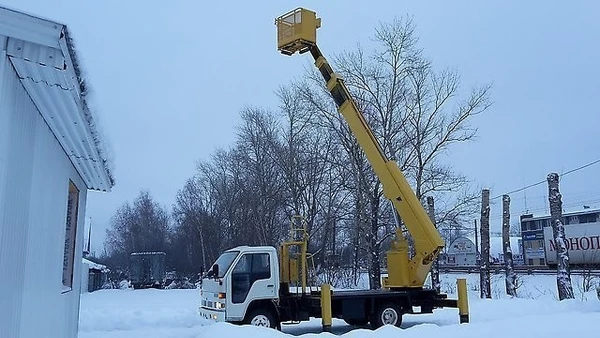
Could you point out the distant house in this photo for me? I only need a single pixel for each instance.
(50, 156)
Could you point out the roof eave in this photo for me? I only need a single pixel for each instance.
(30, 28)
(46, 33)
(70, 55)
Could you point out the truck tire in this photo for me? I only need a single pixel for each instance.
(387, 314)
(261, 317)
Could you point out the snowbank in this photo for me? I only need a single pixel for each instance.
(147, 313)
(151, 313)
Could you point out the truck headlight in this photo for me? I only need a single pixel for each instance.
(219, 305)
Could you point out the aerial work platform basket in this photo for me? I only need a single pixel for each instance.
(297, 31)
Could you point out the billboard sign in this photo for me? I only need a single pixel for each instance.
(582, 242)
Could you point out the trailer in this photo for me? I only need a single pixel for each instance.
(582, 242)
(147, 269)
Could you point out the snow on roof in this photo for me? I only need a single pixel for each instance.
(565, 213)
(148, 253)
(93, 265)
(43, 55)
(252, 248)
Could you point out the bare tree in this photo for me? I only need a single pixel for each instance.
(197, 238)
(307, 159)
(590, 279)
(141, 226)
(563, 275)
(515, 228)
(510, 275)
(263, 189)
(484, 269)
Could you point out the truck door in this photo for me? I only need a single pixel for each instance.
(251, 278)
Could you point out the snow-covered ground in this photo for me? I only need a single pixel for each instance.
(173, 313)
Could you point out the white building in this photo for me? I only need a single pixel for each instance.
(462, 252)
(50, 156)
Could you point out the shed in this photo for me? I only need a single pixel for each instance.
(93, 276)
(50, 156)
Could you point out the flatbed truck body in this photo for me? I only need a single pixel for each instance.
(358, 307)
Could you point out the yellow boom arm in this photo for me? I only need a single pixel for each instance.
(296, 32)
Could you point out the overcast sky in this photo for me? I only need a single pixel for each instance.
(169, 81)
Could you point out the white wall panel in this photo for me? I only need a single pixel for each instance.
(3, 129)
(34, 182)
(15, 189)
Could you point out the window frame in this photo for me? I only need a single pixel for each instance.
(70, 238)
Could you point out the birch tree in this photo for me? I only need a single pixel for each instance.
(484, 268)
(510, 275)
(563, 275)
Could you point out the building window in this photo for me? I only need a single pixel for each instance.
(70, 233)
(588, 218)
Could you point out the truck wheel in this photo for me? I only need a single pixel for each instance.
(387, 314)
(261, 317)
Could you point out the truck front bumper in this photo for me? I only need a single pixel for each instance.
(217, 316)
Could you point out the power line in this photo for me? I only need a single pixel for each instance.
(520, 189)
(544, 181)
(582, 167)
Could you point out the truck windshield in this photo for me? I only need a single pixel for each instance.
(225, 261)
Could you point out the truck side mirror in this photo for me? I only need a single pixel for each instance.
(215, 270)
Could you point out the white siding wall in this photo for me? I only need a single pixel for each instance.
(85, 277)
(3, 134)
(34, 182)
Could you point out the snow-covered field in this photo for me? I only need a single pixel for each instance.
(172, 313)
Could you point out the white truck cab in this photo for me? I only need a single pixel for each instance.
(242, 286)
